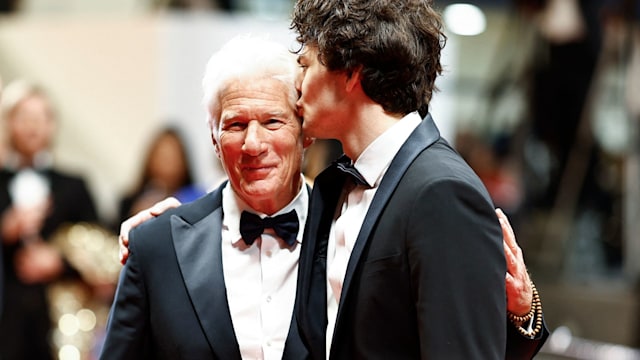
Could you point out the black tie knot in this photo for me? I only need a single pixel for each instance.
(286, 226)
(344, 164)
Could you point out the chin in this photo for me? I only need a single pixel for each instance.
(261, 189)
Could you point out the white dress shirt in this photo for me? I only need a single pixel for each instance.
(372, 164)
(260, 279)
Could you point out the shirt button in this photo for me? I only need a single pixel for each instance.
(269, 298)
(268, 253)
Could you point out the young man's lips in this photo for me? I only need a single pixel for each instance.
(300, 114)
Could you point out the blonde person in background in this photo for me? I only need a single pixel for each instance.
(35, 200)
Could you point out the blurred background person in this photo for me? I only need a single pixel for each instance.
(573, 175)
(166, 172)
(563, 87)
(36, 199)
(555, 171)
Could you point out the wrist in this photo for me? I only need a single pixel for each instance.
(535, 314)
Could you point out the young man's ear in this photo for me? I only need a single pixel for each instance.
(307, 141)
(353, 78)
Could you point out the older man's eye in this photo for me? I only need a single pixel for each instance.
(273, 123)
(234, 126)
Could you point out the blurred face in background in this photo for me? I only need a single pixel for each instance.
(30, 125)
(259, 141)
(167, 163)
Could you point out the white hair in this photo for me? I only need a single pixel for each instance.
(15, 92)
(246, 57)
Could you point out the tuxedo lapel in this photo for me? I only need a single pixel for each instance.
(199, 255)
(311, 300)
(422, 137)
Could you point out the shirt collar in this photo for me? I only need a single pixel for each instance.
(233, 206)
(43, 160)
(376, 158)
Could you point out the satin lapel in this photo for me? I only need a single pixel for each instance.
(200, 258)
(422, 137)
(311, 301)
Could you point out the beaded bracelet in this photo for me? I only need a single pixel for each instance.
(522, 319)
(536, 310)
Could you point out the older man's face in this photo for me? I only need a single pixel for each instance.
(258, 139)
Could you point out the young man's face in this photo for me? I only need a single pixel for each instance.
(322, 103)
(259, 141)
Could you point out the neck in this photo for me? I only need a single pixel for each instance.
(368, 125)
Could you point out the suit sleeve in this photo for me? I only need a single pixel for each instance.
(457, 271)
(520, 347)
(127, 326)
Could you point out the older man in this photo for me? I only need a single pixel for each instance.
(216, 278)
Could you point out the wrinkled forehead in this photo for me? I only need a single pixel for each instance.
(265, 95)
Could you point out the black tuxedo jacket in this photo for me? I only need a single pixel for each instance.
(171, 301)
(426, 276)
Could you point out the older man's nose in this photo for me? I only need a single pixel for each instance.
(254, 139)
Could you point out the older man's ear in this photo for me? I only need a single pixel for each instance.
(216, 146)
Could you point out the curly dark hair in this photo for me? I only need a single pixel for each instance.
(396, 42)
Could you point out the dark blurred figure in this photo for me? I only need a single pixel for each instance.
(8, 6)
(572, 42)
(490, 159)
(568, 174)
(166, 172)
(35, 201)
(552, 173)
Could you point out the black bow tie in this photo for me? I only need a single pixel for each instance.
(344, 164)
(286, 226)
